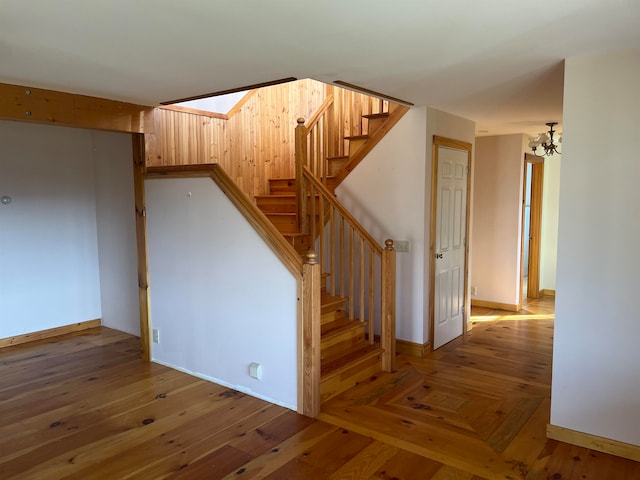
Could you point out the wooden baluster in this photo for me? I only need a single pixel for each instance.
(311, 335)
(320, 221)
(312, 197)
(351, 275)
(316, 146)
(388, 307)
(301, 161)
(310, 159)
(312, 146)
(332, 250)
(327, 141)
(341, 247)
(371, 295)
(361, 283)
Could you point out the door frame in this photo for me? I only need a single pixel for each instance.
(438, 142)
(535, 227)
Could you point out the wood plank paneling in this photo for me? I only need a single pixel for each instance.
(257, 142)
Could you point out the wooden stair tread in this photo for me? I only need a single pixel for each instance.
(276, 195)
(330, 303)
(296, 234)
(284, 195)
(338, 157)
(336, 327)
(356, 137)
(375, 115)
(359, 353)
(292, 180)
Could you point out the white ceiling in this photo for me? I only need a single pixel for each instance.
(498, 62)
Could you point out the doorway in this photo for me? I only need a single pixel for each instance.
(531, 227)
(449, 266)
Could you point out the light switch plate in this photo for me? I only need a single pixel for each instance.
(401, 245)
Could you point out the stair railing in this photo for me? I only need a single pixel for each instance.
(358, 267)
(339, 116)
(311, 152)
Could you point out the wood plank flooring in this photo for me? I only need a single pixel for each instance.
(84, 406)
(479, 405)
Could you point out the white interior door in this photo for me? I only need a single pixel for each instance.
(450, 245)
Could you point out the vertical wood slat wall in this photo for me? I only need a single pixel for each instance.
(258, 141)
(253, 145)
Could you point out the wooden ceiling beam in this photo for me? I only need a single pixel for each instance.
(27, 104)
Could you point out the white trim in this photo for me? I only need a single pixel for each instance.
(222, 383)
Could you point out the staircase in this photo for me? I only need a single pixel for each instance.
(349, 351)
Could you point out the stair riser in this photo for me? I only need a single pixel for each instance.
(338, 306)
(336, 165)
(283, 207)
(279, 186)
(354, 145)
(343, 346)
(331, 316)
(375, 123)
(355, 333)
(277, 206)
(284, 223)
(357, 372)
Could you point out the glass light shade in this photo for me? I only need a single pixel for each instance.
(533, 142)
(544, 137)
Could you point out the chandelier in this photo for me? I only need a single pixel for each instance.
(545, 140)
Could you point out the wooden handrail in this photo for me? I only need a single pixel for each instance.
(324, 192)
(316, 116)
(261, 224)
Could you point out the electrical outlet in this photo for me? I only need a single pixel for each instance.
(156, 335)
(474, 291)
(255, 371)
(401, 245)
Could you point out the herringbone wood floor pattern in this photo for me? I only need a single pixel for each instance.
(84, 406)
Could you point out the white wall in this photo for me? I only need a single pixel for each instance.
(386, 193)
(550, 209)
(69, 187)
(48, 244)
(596, 364)
(497, 213)
(115, 215)
(220, 298)
(390, 194)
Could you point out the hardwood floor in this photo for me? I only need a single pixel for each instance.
(479, 405)
(84, 406)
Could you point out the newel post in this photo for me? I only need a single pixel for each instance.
(311, 335)
(301, 190)
(388, 327)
